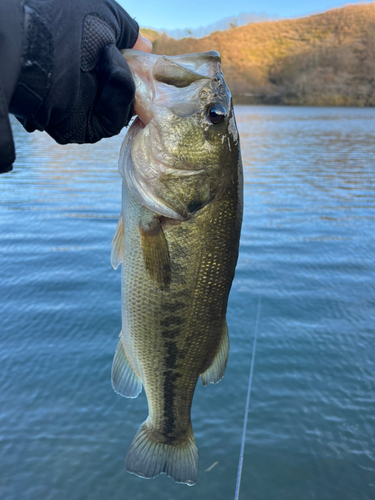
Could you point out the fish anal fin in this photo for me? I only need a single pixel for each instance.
(155, 252)
(125, 380)
(117, 249)
(148, 457)
(216, 370)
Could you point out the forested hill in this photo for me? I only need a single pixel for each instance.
(323, 59)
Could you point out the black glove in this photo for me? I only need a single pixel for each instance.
(74, 82)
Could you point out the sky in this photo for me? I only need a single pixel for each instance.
(171, 14)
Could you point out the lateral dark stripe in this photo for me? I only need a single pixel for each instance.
(169, 395)
(175, 306)
(172, 351)
(171, 334)
(171, 320)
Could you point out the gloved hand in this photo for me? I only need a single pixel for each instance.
(74, 82)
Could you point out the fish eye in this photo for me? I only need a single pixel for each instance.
(215, 113)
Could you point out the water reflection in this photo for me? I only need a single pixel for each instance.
(307, 248)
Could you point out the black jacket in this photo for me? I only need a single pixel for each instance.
(11, 32)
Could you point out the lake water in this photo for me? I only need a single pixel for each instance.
(307, 249)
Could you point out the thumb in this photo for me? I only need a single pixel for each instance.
(143, 44)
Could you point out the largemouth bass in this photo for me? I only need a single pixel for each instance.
(177, 240)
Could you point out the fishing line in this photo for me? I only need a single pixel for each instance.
(240, 463)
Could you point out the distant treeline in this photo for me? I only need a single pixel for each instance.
(221, 25)
(320, 60)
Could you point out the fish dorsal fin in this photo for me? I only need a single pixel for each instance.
(215, 372)
(125, 380)
(155, 249)
(117, 249)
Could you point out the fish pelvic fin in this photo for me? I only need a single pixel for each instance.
(155, 251)
(125, 380)
(215, 372)
(148, 457)
(117, 249)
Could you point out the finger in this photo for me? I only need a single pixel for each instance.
(114, 108)
(143, 44)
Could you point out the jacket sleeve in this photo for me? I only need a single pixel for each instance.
(11, 32)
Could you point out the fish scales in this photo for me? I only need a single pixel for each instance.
(173, 314)
(197, 311)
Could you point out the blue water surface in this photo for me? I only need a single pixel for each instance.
(307, 249)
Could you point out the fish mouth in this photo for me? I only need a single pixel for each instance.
(158, 77)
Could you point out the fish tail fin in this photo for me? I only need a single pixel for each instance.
(148, 457)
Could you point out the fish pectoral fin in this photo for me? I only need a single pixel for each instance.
(155, 251)
(215, 372)
(148, 456)
(117, 249)
(125, 380)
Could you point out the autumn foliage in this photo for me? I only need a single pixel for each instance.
(323, 59)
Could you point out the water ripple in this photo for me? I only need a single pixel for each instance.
(307, 248)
